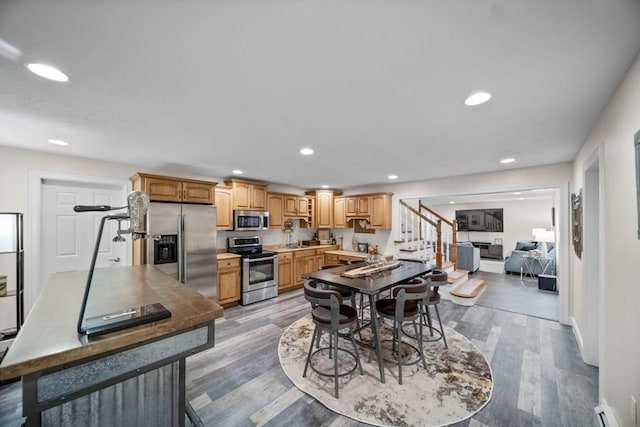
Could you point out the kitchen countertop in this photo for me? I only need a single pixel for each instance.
(302, 248)
(227, 255)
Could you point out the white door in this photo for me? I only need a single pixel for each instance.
(68, 238)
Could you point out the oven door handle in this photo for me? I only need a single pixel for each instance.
(269, 258)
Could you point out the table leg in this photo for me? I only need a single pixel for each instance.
(376, 336)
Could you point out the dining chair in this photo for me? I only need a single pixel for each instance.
(330, 314)
(404, 307)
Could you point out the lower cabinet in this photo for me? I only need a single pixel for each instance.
(303, 263)
(285, 271)
(228, 281)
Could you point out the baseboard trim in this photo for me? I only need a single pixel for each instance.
(576, 333)
(604, 415)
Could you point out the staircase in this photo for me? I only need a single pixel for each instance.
(429, 237)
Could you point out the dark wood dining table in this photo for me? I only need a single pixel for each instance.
(372, 285)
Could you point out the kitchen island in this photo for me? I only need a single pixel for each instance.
(135, 376)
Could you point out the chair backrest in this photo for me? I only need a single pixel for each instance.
(410, 292)
(324, 298)
(320, 297)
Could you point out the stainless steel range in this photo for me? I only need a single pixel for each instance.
(259, 275)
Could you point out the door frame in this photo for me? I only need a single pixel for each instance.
(36, 181)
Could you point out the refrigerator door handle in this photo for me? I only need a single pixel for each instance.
(184, 251)
(180, 249)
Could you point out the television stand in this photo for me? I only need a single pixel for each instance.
(489, 250)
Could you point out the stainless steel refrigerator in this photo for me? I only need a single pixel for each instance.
(186, 248)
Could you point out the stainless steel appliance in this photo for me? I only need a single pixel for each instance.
(186, 248)
(250, 220)
(259, 275)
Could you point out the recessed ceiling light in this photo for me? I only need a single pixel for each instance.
(452, 202)
(58, 142)
(325, 186)
(393, 177)
(306, 151)
(520, 198)
(48, 72)
(508, 160)
(237, 172)
(477, 98)
(517, 193)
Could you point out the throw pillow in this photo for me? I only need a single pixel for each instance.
(525, 245)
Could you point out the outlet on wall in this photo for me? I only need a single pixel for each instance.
(634, 411)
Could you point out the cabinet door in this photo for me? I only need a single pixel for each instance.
(318, 262)
(330, 259)
(364, 205)
(228, 285)
(351, 206)
(290, 205)
(194, 192)
(163, 190)
(302, 206)
(275, 207)
(339, 216)
(241, 195)
(224, 209)
(324, 210)
(259, 197)
(285, 275)
(380, 211)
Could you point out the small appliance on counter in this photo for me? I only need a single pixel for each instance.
(259, 273)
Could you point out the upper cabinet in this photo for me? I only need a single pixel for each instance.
(248, 195)
(375, 208)
(357, 206)
(275, 203)
(169, 189)
(296, 206)
(380, 211)
(339, 213)
(324, 208)
(224, 208)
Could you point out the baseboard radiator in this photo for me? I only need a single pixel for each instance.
(605, 417)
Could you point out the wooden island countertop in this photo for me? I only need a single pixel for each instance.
(48, 337)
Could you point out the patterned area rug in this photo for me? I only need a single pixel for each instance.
(456, 384)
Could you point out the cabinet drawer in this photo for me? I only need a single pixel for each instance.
(305, 253)
(228, 263)
(285, 256)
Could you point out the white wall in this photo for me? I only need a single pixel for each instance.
(520, 216)
(620, 322)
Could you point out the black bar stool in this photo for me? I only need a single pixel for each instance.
(331, 315)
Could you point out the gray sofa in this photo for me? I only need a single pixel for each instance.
(513, 260)
(468, 257)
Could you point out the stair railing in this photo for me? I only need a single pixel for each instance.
(448, 234)
(417, 228)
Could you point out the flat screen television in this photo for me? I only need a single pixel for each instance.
(480, 220)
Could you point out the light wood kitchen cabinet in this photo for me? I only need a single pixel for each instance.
(224, 208)
(296, 206)
(275, 206)
(324, 207)
(248, 195)
(330, 259)
(339, 213)
(303, 263)
(380, 211)
(357, 206)
(285, 271)
(228, 281)
(169, 189)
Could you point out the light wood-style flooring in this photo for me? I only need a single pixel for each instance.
(539, 377)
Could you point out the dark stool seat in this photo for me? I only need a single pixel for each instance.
(434, 279)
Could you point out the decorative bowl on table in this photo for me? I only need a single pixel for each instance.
(375, 260)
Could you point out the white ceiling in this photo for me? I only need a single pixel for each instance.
(374, 87)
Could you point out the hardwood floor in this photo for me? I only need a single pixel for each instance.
(539, 377)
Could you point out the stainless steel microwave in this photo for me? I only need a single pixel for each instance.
(250, 220)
